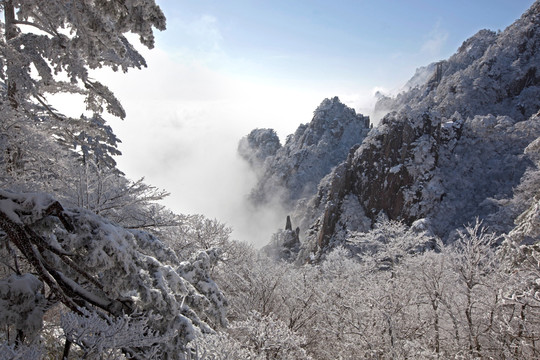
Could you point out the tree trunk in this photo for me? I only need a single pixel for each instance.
(11, 32)
(19, 339)
(435, 306)
(67, 347)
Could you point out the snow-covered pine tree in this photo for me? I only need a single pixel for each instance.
(98, 269)
(49, 47)
(83, 246)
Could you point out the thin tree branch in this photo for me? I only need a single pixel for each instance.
(39, 27)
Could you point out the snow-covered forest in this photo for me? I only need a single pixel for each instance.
(417, 238)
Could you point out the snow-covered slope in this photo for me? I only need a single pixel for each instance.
(451, 150)
(292, 171)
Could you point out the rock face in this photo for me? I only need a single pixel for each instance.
(491, 73)
(450, 150)
(449, 171)
(285, 244)
(259, 145)
(290, 172)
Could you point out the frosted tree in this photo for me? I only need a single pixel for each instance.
(197, 232)
(390, 241)
(257, 284)
(269, 337)
(476, 265)
(221, 346)
(107, 192)
(50, 47)
(97, 269)
(22, 305)
(102, 336)
(433, 287)
(521, 256)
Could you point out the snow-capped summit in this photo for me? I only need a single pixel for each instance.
(258, 145)
(293, 170)
(491, 73)
(450, 151)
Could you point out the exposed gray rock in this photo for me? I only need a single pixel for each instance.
(285, 244)
(260, 144)
(448, 153)
(295, 169)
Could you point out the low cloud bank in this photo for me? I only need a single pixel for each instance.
(182, 130)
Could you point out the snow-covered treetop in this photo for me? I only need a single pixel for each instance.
(49, 47)
(491, 73)
(56, 37)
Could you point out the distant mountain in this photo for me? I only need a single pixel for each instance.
(290, 172)
(450, 150)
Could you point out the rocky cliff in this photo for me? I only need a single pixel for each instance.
(450, 150)
(291, 172)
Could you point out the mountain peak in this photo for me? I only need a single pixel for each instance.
(449, 149)
(309, 154)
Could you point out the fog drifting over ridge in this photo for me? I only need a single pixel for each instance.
(213, 77)
(182, 130)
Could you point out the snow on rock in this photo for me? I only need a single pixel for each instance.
(292, 171)
(451, 149)
(491, 73)
(260, 144)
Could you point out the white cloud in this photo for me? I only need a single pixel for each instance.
(435, 42)
(184, 121)
(185, 116)
(197, 40)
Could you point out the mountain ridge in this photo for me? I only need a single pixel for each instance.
(450, 150)
(291, 172)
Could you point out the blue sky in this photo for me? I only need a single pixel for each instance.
(345, 44)
(224, 68)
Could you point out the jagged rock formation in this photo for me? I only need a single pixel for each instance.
(421, 76)
(290, 172)
(259, 145)
(489, 74)
(450, 150)
(285, 244)
(449, 172)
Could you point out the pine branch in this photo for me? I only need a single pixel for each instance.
(70, 293)
(39, 27)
